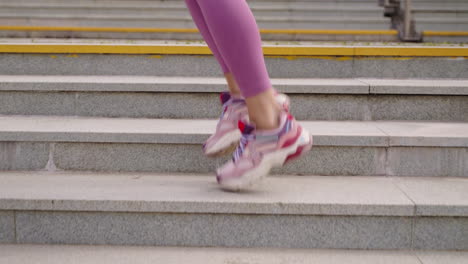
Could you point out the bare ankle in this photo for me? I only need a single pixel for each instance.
(264, 112)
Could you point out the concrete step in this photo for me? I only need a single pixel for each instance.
(15, 31)
(180, 9)
(189, 210)
(161, 145)
(160, 97)
(442, 24)
(151, 3)
(73, 254)
(163, 21)
(283, 59)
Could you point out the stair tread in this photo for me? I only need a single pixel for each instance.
(195, 193)
(210, 84)
(280, 43)
(270, 48)
(195, 131)
(51, 254)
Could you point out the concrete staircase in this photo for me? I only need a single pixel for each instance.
(117, 19)
(174, 14)
(100, 144)
(450, 15)
(361, 20)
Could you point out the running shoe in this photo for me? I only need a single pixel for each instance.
(260, 151)
(227, 135)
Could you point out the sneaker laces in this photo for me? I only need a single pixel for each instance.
(244, 141)
(226, 106)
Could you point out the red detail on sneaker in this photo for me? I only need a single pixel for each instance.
(291, 141)
(241, 126)
(294, 155)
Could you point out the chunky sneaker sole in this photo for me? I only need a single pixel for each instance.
(270, 161)
(225, 145)
(224, 142)
(252, 163)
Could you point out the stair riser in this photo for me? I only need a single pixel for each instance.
(377, 24)
(195, 36)
(181, 2)
(140, 157)
(462, 15)
(182, 12)
(230, 230)
(451, 39)
(206, 105)
(200, 66)
(445, 26)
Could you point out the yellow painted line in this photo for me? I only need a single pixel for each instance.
(446, 33)
(204, 50)
(412, 51)
(99, 29)
(185, 30)
(329, 32)
(311, 51)
(104, 49)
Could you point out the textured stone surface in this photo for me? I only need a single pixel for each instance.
(37, 103)
(189, 158)
(58, 254)
(133, 157)
(197, 36)
(128, 83)
(196, 104)
(418, 107)
(437, 196)
(129, 130)
(330, 107)
(7, 227)
(176, 65)
(214, 230)
(133, 130)
(409, 86)
(176, 9)
(332, 22)
(442, 233)
(149, 105)
(23, 155)
(414, 134)
(410, 67)
(454, 257)
(144, 192)
(418, 161)
(341, 147)
(339, 161)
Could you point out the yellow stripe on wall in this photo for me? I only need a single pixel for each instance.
(185, 30)
(192, 30)
(204, 50)
(446, 33)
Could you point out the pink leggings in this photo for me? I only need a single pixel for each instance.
(230, 30)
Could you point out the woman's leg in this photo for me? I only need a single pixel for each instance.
(199, 21)
(276, 136)
(235, 34)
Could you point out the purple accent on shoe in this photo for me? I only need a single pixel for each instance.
(246, 129)
(224, 97)
(218, 178)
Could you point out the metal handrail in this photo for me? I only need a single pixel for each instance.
(402, 19)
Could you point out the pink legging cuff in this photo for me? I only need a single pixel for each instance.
(230, 30)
